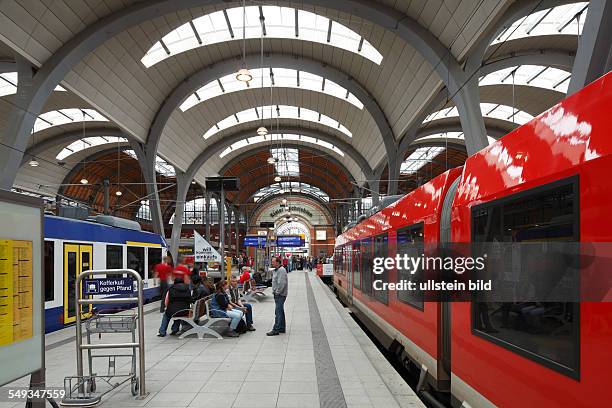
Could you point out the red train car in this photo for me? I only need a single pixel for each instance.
(546, 180)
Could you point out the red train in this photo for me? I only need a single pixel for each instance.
(550, 176)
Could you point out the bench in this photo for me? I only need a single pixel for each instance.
(252, 295)
(200, 320)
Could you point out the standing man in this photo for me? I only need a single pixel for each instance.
(280, 286)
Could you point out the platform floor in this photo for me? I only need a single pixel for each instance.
(324, 360)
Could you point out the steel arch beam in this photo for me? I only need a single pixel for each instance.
(255, 181)
(265, 147)
(261, 203)
(224, 142)
(69, 137)
(226, 67)
(557, 59)
(518, 10)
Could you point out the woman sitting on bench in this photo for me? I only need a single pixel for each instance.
(220, 307)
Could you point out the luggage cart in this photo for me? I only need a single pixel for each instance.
(81, 389)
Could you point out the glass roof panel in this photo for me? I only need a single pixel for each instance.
(274, 137)
(419, 158)
(283, 78)
(86, 143)
(161, 166)
(529, 75)
(286, 187)
(284, 112)
(9, 81)
(449, 135)
(279, 23)
(287, 161)
(63, 116)
(489, 110)
(566, 19)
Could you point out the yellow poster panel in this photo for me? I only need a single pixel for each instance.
(15, 291)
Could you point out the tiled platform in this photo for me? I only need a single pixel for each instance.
(255, 370)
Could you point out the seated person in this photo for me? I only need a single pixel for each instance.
(259, 280)
(200, 290)
(178, 298)
(246, 308)
(220, 306)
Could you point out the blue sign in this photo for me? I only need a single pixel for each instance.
(109, 286)
(254, 241)
(289, 241)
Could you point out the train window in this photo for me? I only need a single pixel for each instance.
(381, 250)
(357, 265)
(49, 271)
(155, 258)
(348, 260)
(366, 265)
(548, 333)
(410, 242)
(114, 259)
(135, 260)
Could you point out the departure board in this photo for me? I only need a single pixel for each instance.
(21, 286)
(15, 290)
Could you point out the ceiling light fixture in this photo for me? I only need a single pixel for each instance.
(262, 131)
(244, 75)
(284, 201)
(118, 193)
(84, 181)
(34, 162)
(277, 179)
(271, 160)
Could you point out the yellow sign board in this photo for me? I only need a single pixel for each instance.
(228, 267)
(15, 291)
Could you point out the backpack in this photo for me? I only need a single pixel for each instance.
(242, 327)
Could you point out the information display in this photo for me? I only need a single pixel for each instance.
(289, 241)
(21, 280)
(15, 290)
(254, 241)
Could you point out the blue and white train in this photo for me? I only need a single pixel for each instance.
(103, 242)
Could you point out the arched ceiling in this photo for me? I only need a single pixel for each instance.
(143, 102)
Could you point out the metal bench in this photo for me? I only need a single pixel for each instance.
(252, 295)
(200, 320)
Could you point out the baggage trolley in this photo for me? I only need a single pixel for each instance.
(81, 389)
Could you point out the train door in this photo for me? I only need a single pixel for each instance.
(349, 270)
(77, 258)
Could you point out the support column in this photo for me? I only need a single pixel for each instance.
(237, 225)
(182, 186)
(147, 166)
(394, 172)
(594, 54)
(222, 225)
(18, 129)
(207, 213)
(374, 186)
(229, 228)
(106, 185)
(467, 101)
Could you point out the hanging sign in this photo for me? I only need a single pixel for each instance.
(204, 252)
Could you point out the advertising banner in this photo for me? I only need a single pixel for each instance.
(204, 252)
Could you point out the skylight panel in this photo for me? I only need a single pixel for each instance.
(283, 78)
(489, 110)
(529, 75)
(86, 143)
(279, 23)
(448, 135)
(161, 166)
(276, 137)
(9, 82)
(286, 112)
(556, 21)
(419, 158)
(63, 116)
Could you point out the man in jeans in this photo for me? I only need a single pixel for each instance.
(280, 285)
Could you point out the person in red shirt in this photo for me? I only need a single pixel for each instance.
(163, 271)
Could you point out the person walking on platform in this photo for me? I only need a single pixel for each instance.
(280, 285)
(163, 271)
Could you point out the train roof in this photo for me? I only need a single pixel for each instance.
(79, 230)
